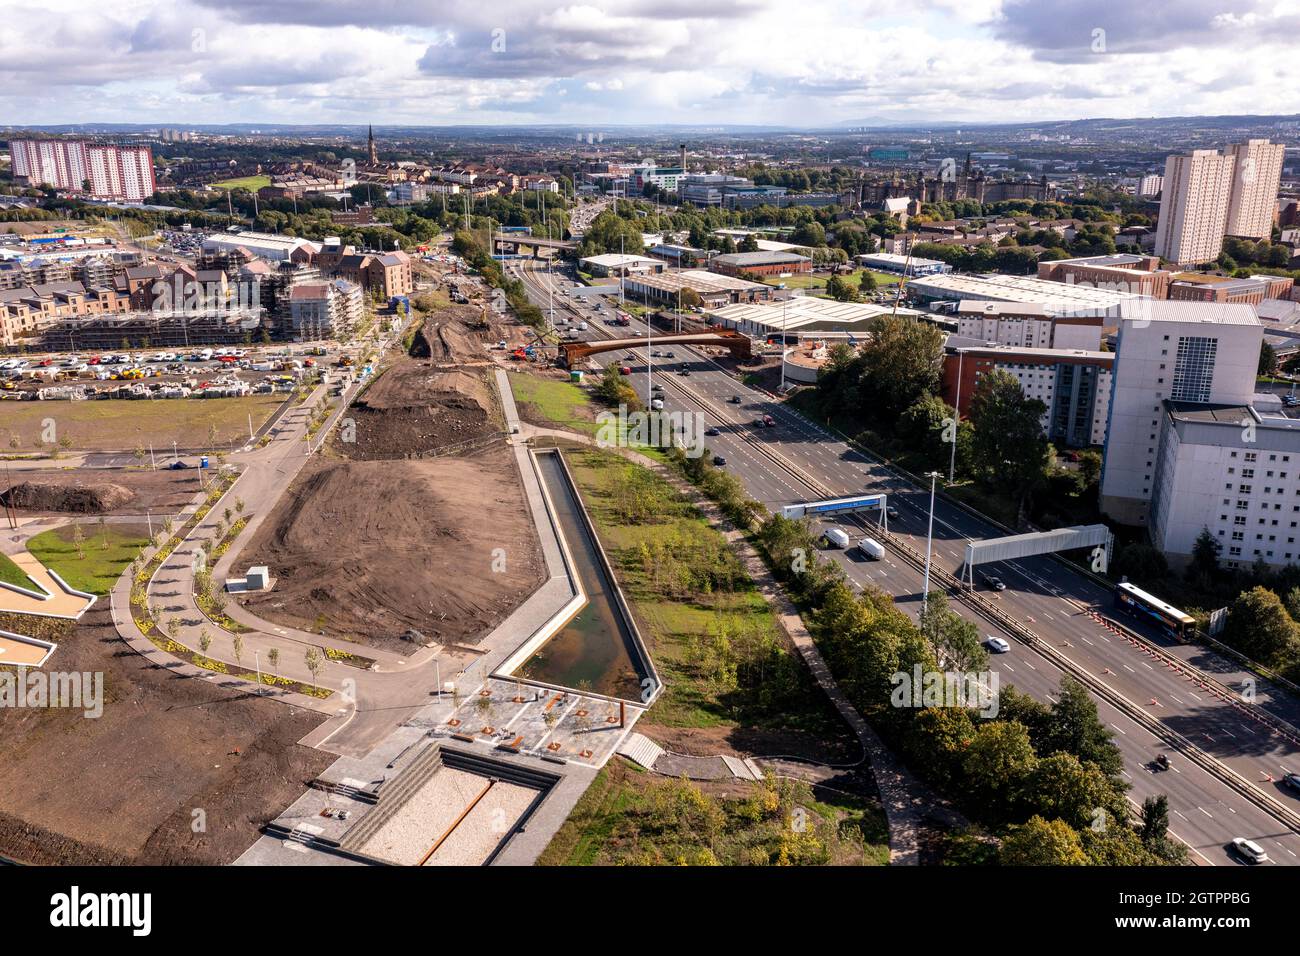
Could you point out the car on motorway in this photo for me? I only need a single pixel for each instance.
(712, 431)
(891, 512)
(993, 582)
(656, 387)
(684, 372)
(657, 404)
(670, 355)
(760, 423)
(1248, 850)
(1292, 780)
(719, 460)
(998, 645)
(734, 400)
(624, 370)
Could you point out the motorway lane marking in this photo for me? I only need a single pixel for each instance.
(1206, 812)
(1127, 668)
(1120, 729)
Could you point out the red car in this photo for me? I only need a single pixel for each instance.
(624, 370)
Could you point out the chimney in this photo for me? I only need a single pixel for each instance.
(681, 149)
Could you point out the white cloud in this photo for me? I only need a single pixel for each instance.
(637, 61)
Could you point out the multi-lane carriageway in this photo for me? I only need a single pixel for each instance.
(1157, 699)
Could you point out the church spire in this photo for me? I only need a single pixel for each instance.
(371, 149)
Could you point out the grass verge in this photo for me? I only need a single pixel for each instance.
(96, 562)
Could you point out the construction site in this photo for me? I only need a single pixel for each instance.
(407, 528)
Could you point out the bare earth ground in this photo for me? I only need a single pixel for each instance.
(123, 788)
(161, 492)
(380, 547)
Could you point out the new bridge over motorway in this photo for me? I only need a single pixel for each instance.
(739, 345)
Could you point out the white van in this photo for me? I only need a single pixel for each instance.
(837, 538)
(871, 549)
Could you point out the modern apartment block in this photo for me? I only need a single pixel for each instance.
(1025, 325)
(1233, 470)
(1192, 352)
(1194, 206)
(1257, 176)
(1074, 384)
(102, 171)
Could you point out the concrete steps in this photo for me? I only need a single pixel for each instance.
(392, 794)
(641, 749)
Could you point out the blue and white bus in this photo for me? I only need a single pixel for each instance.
(1147, 607)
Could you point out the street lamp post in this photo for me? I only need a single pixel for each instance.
(929, 535)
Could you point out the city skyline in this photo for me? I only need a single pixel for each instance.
(628, 62)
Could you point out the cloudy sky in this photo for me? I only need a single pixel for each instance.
(591, 62)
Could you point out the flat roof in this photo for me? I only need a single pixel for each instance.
(895, 259)
(697, 279)
(802, 312)
(986, 307)
(1217, 313)
(1058, 297)
(758, 258)
(618, 259)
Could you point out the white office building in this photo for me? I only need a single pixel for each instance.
(1235, 471)
(1027, 325)
(1194, 352)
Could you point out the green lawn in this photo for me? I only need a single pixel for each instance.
(818, 282)
(627, 817)
(563, 403)
(101, 566)
(251, 183)
(712, 635)
(566, 406)
(10, 573)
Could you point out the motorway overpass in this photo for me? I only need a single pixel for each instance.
(514, 241)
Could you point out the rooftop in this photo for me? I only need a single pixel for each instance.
(1059, 298)
(1217, 313)
(805, 313)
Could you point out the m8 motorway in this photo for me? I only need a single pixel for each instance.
(800, 461)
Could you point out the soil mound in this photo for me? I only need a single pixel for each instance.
(76, 498)
(377, 549)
